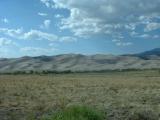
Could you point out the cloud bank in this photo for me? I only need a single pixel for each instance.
(35, 35)
(107, 16)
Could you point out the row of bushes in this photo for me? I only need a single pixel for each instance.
(69, 71)
(36, 72)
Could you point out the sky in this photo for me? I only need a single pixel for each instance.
(51, 27)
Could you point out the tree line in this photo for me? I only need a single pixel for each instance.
(69, 71)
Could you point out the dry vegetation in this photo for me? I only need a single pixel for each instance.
(133, 95)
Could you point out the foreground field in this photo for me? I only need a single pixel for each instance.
(133, 95)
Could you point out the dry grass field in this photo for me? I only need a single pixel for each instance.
(133, 95)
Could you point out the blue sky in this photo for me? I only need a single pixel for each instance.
(51, 27)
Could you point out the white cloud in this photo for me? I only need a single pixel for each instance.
(32, 34)
(36, 34)
(152, 26)
(130, 26)
(48, 3)
(83, 27)
(5, 20)
(33, 49)
(68, 39)
(11, 32)
(115, 40)
(42, 14)
(119, 42)
(134, 34)
(123, 44)
(105, 16)
(5, 41)
(144, 36)
(58, 16)
(46, 24)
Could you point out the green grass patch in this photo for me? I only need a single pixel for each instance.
(77, 113)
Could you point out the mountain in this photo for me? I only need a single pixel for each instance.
(78, 62)
(150, 54)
